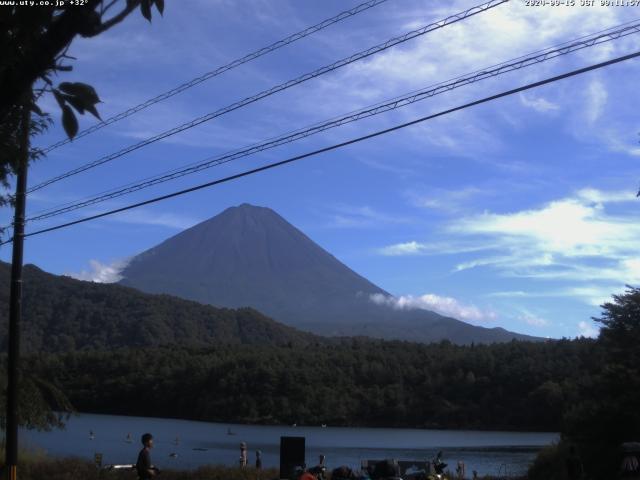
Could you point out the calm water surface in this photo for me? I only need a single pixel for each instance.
(201, 443)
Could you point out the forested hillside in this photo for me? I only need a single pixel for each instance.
(357, 382)
(63, 314)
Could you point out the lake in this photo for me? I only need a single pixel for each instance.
(201, 443)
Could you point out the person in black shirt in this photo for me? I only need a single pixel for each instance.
(575, 470)
(143, 465)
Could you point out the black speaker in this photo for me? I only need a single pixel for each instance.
(291, 455)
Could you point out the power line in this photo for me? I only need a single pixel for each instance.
(338, 145)
(398, 102)
(278, 88)
(220, 70)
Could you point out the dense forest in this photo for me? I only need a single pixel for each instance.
(64, 314)
(516, 385)
(589, 390)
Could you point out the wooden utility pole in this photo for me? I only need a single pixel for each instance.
(15, 299)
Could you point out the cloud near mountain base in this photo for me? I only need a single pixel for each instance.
(447, 306)
(101, 272)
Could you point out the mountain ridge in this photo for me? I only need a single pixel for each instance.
(64, 314)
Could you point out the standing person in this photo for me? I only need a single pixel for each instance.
(243, 455)
(258, 460)
(143, 465)
(438, 464)
(321, 467)
(460, 470)
(574, 465)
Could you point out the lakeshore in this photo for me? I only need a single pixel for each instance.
(188, 445)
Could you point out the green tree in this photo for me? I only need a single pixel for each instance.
(607, 414)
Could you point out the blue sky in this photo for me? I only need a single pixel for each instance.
(519, 213)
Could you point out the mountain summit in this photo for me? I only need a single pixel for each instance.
(250, 256)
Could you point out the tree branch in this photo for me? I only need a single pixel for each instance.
(131, 6)
(106, 8)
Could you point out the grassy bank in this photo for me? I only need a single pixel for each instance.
(36, 466)
(40, 468)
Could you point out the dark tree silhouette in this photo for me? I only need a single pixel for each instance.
(33, 48)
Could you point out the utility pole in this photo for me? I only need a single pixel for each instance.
(15, 299)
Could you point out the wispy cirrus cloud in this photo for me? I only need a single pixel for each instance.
(349, 216)
(595, 295)
(144, 217)
(503, 33)
(539, 104)
(596, 100)
(588, 241)
(447, 201)
(533, 320)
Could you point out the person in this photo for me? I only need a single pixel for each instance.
(573, 464)
(310, 474)
(438, 464)
(258, 460)
(630, 466)
(460, 470)
(243, 455)
(143, 465)
(475, 475)
(321, 467)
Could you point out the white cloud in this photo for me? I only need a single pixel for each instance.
(596, 100)
(601, 197)
(444, 305)
(576, 239)
(588, 329)
(539, 104)
(503, 33)
(533, 320)
(431, 248)
(569, 227)
(545, 259)
(449, 201)
(595, 295)
(346, 216)
(144, 217)
(102, 272)
(406, 248)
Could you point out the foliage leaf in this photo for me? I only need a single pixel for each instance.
(78, 89)
(160, 6)
(36, 109)
(93, 111)
(69, 121)
(145, 8)
(76, 103)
